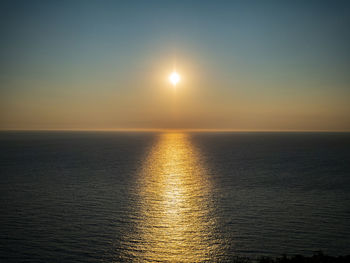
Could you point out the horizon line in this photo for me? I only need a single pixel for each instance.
(169, 130)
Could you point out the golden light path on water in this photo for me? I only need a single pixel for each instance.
(176, 220)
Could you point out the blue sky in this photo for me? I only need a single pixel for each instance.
(252, 64)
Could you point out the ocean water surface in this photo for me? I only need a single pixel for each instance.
(172, 197)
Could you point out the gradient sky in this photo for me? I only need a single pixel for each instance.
(245, 65)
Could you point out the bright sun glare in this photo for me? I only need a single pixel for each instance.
(174, 78)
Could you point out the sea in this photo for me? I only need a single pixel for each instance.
(172, 196)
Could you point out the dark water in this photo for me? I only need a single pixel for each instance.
(145, 197)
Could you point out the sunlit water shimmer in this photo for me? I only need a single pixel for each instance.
(172, 197)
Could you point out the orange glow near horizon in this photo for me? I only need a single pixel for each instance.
(175, 195)
(150, 101)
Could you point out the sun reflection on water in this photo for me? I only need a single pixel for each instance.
(175, 218)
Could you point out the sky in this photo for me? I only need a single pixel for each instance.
(244, 65)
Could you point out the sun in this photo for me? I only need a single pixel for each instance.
(174, 78)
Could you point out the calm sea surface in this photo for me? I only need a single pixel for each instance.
(174, 197)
